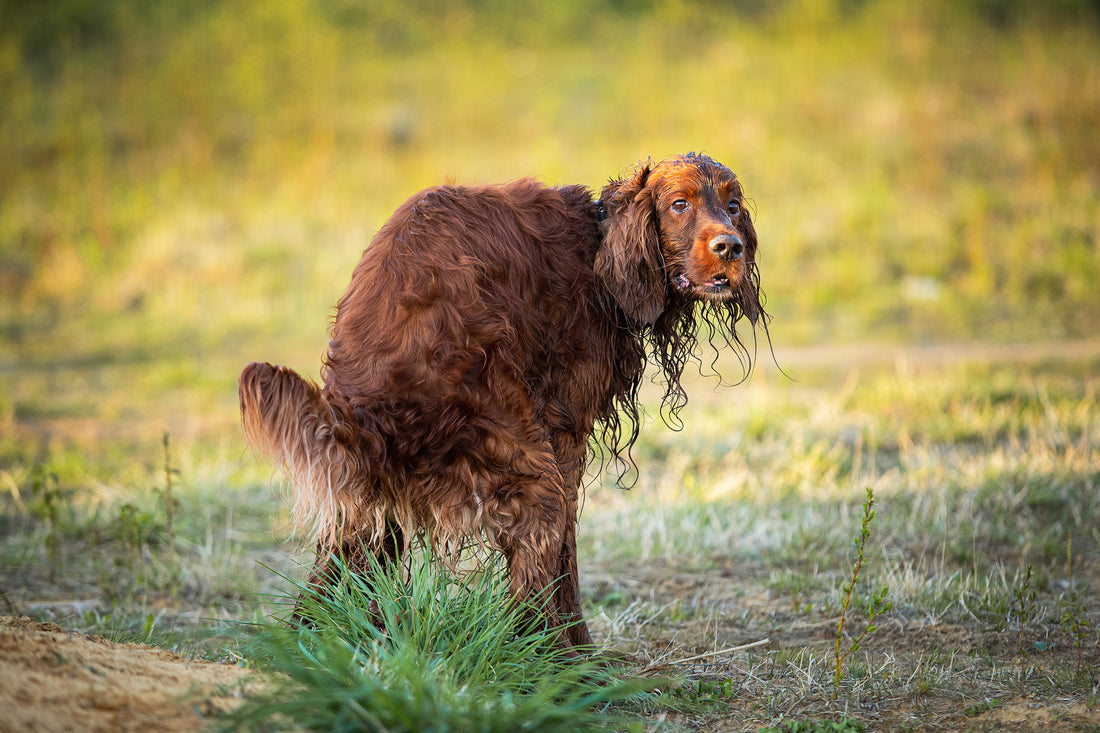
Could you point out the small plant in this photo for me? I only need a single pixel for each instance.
(169, 502)
(707, 691)
(796, 586)
(1074, 619)
(46, 491)
(1075, 624)
(1025, 610)
(879, 603)
(982, 707)
(135, 528)
(385, 653)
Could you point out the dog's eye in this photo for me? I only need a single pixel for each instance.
(735, 209)
(679, 205)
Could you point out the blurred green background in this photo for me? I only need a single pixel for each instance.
(185, 186)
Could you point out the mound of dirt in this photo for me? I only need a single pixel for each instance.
(54, 680)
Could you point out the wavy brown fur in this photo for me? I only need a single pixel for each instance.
(487, 332)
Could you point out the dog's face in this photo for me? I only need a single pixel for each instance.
(678, 228)
(705, 233)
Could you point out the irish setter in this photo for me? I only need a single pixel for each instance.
(487, 332)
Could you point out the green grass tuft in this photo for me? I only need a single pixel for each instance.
(453, 656)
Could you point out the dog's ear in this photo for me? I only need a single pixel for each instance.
(748, 294)
(629, 259)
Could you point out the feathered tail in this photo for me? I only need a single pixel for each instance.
(287, 419)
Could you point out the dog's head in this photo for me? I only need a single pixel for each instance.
(678, 230)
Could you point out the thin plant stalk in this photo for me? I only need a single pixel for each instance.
(878, 606)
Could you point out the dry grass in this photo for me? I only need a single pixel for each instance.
(751, 539)
(740, 530)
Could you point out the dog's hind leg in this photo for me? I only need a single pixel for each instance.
(531, 553)
(359, 553)
(532, 513)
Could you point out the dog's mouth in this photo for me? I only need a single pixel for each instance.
(718, 282)
(715, 287)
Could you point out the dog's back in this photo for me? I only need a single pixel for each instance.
(456, 348)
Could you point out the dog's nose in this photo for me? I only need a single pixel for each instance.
(727, 246)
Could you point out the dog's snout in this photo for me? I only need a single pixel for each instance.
(727, 246)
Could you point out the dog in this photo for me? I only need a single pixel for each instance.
(487, 334)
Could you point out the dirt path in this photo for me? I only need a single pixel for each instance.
(54, 680)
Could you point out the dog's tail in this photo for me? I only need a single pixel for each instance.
(288, 420)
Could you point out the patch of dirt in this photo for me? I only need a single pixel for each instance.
(54, 680)
(1037, 716)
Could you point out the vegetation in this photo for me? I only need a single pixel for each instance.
(185, 187)
(978, 472)
(427, 652)
(169, 168)
(878, 606)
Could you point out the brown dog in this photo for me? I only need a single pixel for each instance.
(486, 333)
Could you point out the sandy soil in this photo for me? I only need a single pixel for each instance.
(54, 680)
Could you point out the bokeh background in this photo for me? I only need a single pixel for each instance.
(186, 186)
(200, 177)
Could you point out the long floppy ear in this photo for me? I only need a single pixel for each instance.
(748, 294)
(629, 259)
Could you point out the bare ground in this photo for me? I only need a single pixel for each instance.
(55, 680)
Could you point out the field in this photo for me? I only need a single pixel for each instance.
(185, 188)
